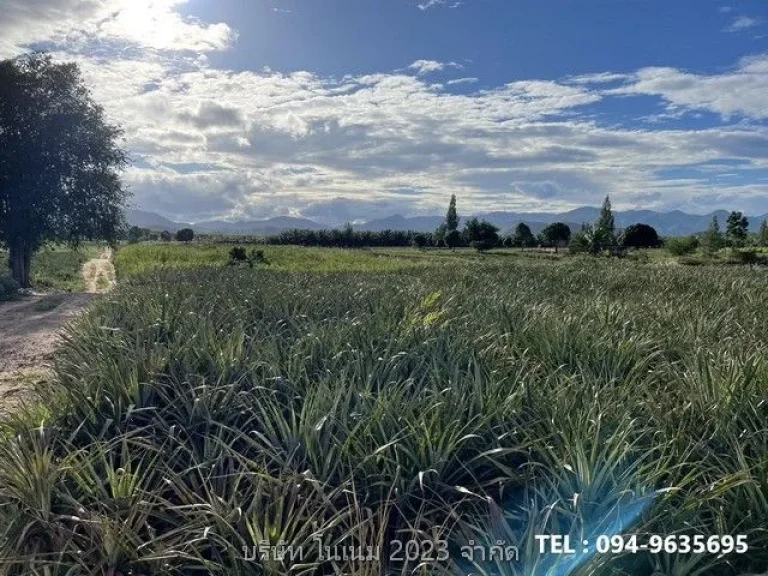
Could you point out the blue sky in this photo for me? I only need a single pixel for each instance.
(353, 109)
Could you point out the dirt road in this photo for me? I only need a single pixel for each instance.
(30, 329)
(99, 274)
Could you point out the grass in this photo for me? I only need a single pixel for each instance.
(137, 259)
(195, 414)
(56, 267)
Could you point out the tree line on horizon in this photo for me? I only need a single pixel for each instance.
(593, 238)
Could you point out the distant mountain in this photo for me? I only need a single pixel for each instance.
(151, 220)
(398, 222)
(674, 223)
(257, 227)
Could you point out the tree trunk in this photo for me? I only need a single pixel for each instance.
(20, 258)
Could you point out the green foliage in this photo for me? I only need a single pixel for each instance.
(166, 236)
(185, 235)
(138, 259)
(606, 221)
(419, 241)
(736, 229)
(640, 236)
(712, 240)
(557, 234)
(452, 239)
(523, 237)
(238, 254)
(9, 288)
(60, 174)
(56, 267)
(762, 238)
(194, 413)
(681, 246)
(481, 234)
(452, 217)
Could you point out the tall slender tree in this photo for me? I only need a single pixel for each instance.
(60, 161)
(606, 221)
(452, 218)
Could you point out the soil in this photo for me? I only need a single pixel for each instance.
(30, 331)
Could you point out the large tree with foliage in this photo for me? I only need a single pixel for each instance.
(481, 234)
(60, 161)
(640, 236)
(557, 234)
(523, 237)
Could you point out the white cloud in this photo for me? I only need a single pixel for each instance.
(154, 24)
(737, 92)
(427, 4)
(462, 81)
(429, 66)
(214, 142)
(742, 23)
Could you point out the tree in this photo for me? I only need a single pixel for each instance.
(419, 241)
(640, 236)
(452, 218)
(134, 235)
(762, 238)
(481, 234)
(166, 236)
(607, 222)
(712, 240)
(736, 228)
(185, 235)
(557, 234)
(60, 162)
(452, 239)
(523, 236)
(439, 235)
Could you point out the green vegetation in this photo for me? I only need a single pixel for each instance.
(54, 267)
(194, 414)
(138, 259)
(61, 162)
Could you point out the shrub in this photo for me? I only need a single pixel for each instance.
(185, 235)
(682, 246)
(9, 288)
(238, 254)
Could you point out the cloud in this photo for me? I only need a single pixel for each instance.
(213, 142)
(740, 92)
(742, 23)
(427, 4)
(429, 66)
(154, 24)
(462, 81)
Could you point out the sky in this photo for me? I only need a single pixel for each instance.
(350, 110)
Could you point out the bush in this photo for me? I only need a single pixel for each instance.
(9, 288)
(185, 235)
(682, 246)
(238, 254)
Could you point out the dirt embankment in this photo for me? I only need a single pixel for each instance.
(30, 330)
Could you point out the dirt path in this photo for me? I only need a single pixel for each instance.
(99, 274)
(30, 330)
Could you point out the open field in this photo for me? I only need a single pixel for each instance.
(197, 412)
(137, 259)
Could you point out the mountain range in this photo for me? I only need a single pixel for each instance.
(674, 223)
